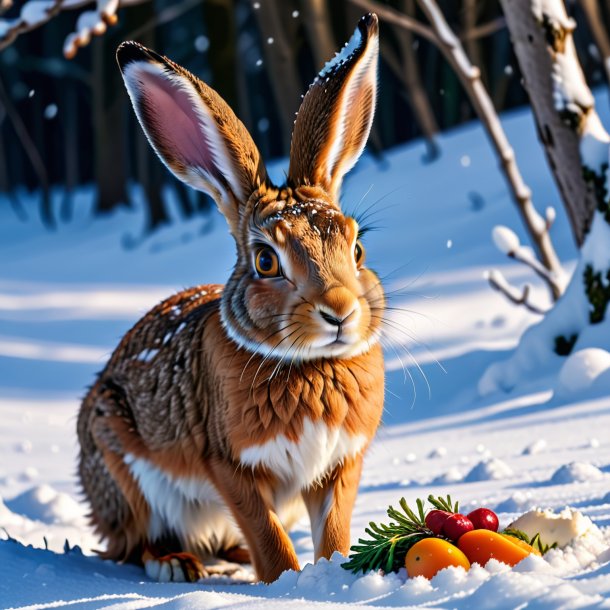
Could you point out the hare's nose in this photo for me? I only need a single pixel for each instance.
(333, 320)
(339, 307)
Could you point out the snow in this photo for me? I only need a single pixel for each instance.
(490, 469)
(66, 298)
(569, 317)
(506, 239)
(576, 472)
(582, 368)
(35, 11)
(342, 56)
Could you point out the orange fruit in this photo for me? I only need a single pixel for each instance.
(482, 545)
(430, 555)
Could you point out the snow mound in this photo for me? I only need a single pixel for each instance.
(519, 502)
(576, 472)
(491, 469)
(453, 475)
(43, 503)
(581, 369)
(538, 446)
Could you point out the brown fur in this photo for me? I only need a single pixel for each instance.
(214, 372)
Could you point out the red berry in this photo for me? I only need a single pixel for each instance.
(456, 525)
(484, 519)
(435, 520)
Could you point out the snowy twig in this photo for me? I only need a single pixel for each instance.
(508, 243)
(498, 282)
(406, 67)
(35, 13)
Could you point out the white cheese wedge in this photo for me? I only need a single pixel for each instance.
(561, 528)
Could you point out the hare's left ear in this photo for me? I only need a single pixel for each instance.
(192, 129)
(335, 117)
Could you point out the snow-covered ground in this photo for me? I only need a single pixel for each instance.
(67, 296)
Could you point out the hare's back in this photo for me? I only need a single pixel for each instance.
(171, 321)
(153, 367)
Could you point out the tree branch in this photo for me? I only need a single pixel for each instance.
(35, 14)
(441, 35)
(519, 297)
(485, 29)
(392, 16)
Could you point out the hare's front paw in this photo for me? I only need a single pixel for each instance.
(175, 567)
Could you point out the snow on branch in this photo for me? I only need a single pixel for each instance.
(35, 13)
(508, 243)
(519, 297)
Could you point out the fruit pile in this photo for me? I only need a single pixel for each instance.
(428, 541)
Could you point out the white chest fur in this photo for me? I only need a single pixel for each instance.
(302, 463)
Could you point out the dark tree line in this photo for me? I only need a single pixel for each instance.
(67, 122)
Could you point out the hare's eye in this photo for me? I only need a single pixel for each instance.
(359, 253)
(267, 263)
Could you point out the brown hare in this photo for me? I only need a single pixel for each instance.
(228, 410)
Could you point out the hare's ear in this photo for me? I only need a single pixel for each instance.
(192, 129)
(335, 118)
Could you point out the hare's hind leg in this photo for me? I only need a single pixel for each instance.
(119, 512)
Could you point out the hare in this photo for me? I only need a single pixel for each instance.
(227, 411)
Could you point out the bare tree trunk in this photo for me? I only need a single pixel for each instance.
(538, 41)
(415, 89)
(33, 155)
(280, 59)
(221, 33)
(70, 128)
(318, 26)
(600, 35)
(110, 174)
(469, 23)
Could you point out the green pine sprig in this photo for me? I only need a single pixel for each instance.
(444, 504)
(388, 544)
(535, 541)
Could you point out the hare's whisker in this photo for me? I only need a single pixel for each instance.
(268, 356)
(255, 352)
(357, 207)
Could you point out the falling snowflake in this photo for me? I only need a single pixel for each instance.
(202, 43)
(50, 112)
(263, 124)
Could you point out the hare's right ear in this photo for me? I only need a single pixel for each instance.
(192, 129)
(335, 118)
